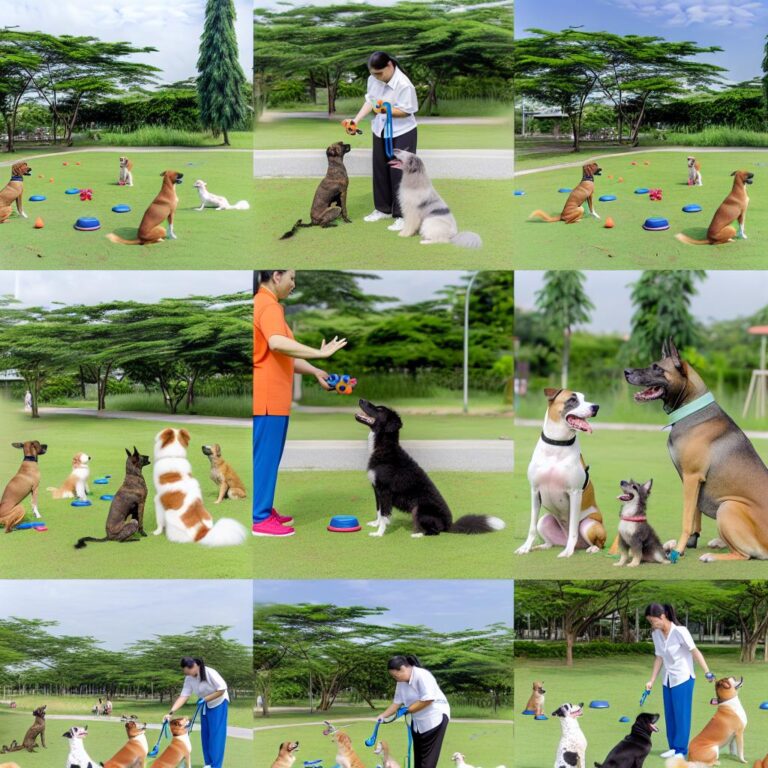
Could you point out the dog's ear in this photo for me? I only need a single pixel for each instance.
(184, 437)
(394, 423)
(127, 453)
(135, 451)
(674, 354)
(551, 393)
(18, 445)
(67, 734)
(647, 487)
(734, 173)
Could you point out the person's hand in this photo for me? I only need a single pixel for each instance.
(649, 685)
(381, 718)
(167, 717)
(331, 347)
(321, 377)
(710, 676)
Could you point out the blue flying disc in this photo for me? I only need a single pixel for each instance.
(87, 224)
(693, 208)
(101, 481)
(599, 704)
(607, 198)
(518, 193)
(623, 719)
(80, 503)
(27, 526)
(107, 497)
(763, 705)
(642, 191)
(564, 189)
(72, 191)
(121, 208)
(36, 198)
(344, 524)
(655, 225)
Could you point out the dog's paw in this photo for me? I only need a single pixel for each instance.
(593, 549)
(618, 565)
(632, 565)
(376, 534)
(24, 216)
(716, 544)
(157, 532)
(373, 523)
(708, 558)
(566, 553)
(524, 550)
(417, 535)
(668, 546)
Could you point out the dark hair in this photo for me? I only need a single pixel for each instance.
(380, 59)
(189, 661)
(264, 276)
(397, 662)
(657, 610)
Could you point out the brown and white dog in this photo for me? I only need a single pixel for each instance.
(180, 749)
(179, 504)
(161, 208)
(125, 179)
(133, 753)
(726, 728)
(285, 755)
(560, 482)
(536, 701)
(230, 485)
(24, 483)
(76, 485)
(694, 172)
(387, 761)
(733, 208)
(13, 191)
(345, 754)
(573, 209)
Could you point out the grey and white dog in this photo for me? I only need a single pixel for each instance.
(424, 211)
(637, 539)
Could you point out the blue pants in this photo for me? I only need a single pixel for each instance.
(213, 734)
(269, 434)
(678, 702)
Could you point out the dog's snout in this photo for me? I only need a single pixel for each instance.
(595, 409)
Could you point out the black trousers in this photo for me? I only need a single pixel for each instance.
(427, 745)
(386, 180)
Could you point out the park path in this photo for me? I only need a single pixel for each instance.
(127, 150)
(371, 720)
(272, 117)
(179, 418)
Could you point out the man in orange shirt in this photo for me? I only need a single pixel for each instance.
(276, 357)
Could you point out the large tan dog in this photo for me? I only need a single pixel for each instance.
(758, 763)
(345, 754)
(285, 755)
(133, 753)
(733, 208)
(76, 484)
(25, 482)
(726, 728)
(16, 765)
(230, 485)
(180, 749)
(14, 191)
(536, 701)
(573, 209)
(161, 208)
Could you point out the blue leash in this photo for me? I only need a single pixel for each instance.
(408, 728)
(389, 146)
(200, 707)
(156, 749)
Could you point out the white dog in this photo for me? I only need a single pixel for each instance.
(78, 757)
(217, 201)
(76, 484)
(694, 172)
(572, 749)
(126, 176)
(179, 504)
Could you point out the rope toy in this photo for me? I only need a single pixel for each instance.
(401, 712)
(384, 107)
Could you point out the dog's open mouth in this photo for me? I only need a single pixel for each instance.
(654, 728)
(395, 164)
(576, 422)
(624, 497)
(652, 393)
(364, 418)
(576, 712)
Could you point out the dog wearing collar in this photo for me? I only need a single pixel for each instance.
(573, 209)
(125, 177)
(723, 476)
(636, 537)
(14, 191)
(572, 749)
(24, 483)
(78, 756)
(694, 172)
(133, 753)
(560, 482)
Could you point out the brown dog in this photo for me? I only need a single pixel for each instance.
(723, 476)
(536, 701)
(285, 757)
(25, 482)
(230, 485)
(573, 209)
(30, 738)
(330, 199)
(14, 190)
(734, 207)
(133, 753)
(345, 755)
(758, 763)
(16, 765)
(126, 172)
(180, 749)
(161, 208)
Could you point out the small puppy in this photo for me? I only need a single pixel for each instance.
(424, 212)
(125, 178)
(536, 701)
(218, 202)
(635, 746)
(230, 485)
(133, 753)
(78, 756)
(572, 749)
(387, 761)
(694, 172)
(180, 749)
(636, 537)
(76, 485)
(285, 757)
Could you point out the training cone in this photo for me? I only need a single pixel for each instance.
(39, 223)
(609, 223)
(50, 181)
(621, 178)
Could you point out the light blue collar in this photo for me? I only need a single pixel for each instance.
(693, 407)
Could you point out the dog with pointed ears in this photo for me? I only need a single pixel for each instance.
(583, 192)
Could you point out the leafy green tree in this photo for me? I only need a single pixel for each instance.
(16, 64)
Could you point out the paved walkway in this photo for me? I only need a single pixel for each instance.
(128, 150)
(271, 117)
(178, 418)
(369, 720)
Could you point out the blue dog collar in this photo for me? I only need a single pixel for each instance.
(17, 178)
(693, 407)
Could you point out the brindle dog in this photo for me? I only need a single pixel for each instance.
(36, 729)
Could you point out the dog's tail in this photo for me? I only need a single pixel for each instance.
(598, 765)
(679, 761)
(240, 205)
(295, 229)
(543, 215)
(477, 524)
(225, 533)
(117, 239)
(467, 240)
(81, 542)
(689, 240)
(56, 492)
(236, 493)
(14, 746)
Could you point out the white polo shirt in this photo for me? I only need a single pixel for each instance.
(675, 653)
(423, 687)
(401, 94)
(215, 682)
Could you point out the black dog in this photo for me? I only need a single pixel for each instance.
(632, 750)
(398, 481)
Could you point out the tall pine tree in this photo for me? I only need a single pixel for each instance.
(221, 84)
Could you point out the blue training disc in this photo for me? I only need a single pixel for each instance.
(107, 497)
(692, 208)
(80, 503)
(87, 224)
(564, 189)
(599, 704)
(642, 191)
(72, 191)
(607, 198)
(518, 193)
(121, 208)
(36, 198)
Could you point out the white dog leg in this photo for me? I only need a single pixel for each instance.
(383, 523)
(535, 508)
(573, 523)
(377, 522)
(171, 235)
(160, 516)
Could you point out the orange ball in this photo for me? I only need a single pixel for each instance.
(65, 163)
(77, 163)
(633, 163)
(621, 178)
(610, 175)
(609, 223)
(39, 223)
(50, 181)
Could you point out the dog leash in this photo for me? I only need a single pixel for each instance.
(389, 145)
(156, 749)
(198, 709)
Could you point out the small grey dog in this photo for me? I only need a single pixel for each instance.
(424, 211)
(636, 537)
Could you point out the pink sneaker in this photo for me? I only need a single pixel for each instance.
(270, 527)
(282, 519)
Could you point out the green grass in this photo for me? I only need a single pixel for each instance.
(311, 133)
(158, 136)
(588, 245)
(235, 406)
(479, 206)
(313, 497)
(717, 136)
(615, 456)
(51, 555)
(621, 681)
(448, 107)
(536, 154)
(487, 744)
(299, 712)
(206, 239)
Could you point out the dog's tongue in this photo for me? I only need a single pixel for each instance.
(576, 423)
(625, 497)
(654, 728)
(652, 393)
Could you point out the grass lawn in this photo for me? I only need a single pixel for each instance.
(311, 133)
(51, 555)
(313, 497)
(589, 245)
(621, 681)
(206, 239)
(479, 206)
(615, 456)
(483, 743)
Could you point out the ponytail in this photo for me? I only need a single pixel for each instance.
(261, 276)
(380, 59)
(657, 610)
(398, 662)
(187, 662)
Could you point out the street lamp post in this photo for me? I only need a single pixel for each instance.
(466, 342)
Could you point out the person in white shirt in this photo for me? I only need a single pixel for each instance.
(388, 83)
(207, 684)
(430, 712)
(675, 653)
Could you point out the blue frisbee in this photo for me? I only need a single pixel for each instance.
(518, 193)
(27, 526)
(541, 717)
(101, 481)
(80, 503)
(121, 208)
(763, 705)
(642, 191)
(107, 497)
(623, 719)
(36, 198)
(607, 198)
(655, 224)
(72, 191)
(344, 524)
(564, 189)
(599, 704)
(693, 208)
(87, 224)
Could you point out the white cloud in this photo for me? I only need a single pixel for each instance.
(682, 13)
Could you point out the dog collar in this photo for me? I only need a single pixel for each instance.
(550, 441)
(30, 458)
(587, 178)
(687, 410)
(635, 519)
(17, 178)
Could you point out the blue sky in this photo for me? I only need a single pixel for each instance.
(737, 26)
(444, 605)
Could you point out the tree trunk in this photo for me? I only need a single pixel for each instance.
(226, 136)
(569, 641)
(566, 357)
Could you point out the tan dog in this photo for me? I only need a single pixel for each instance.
(133, 753)
(758, 763)
(180, 749)
(230, 485)
(387, 761)
(345, 754)
(734, 207)
(161, 208)
(25, 482)
(726, 728)
(285, 755)
(573, 209)
(126, 176)
(694, 172)
(16, 765)
(536, 701)
(76, 485)
(14, 191)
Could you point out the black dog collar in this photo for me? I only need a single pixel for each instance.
(587, 178)
(550, 441)
(30, 458)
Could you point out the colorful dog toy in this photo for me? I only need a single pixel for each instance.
(655, 225)
(344, 524)
(384, 107)
(343, 384)
(86, 194)
(350, 126)
(646, 694)
(39, 224)
(28, 526)
(655, 194)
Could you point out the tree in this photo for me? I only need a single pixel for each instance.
(765, 74)
(15, 78)
(564, 303)
(221, 84)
